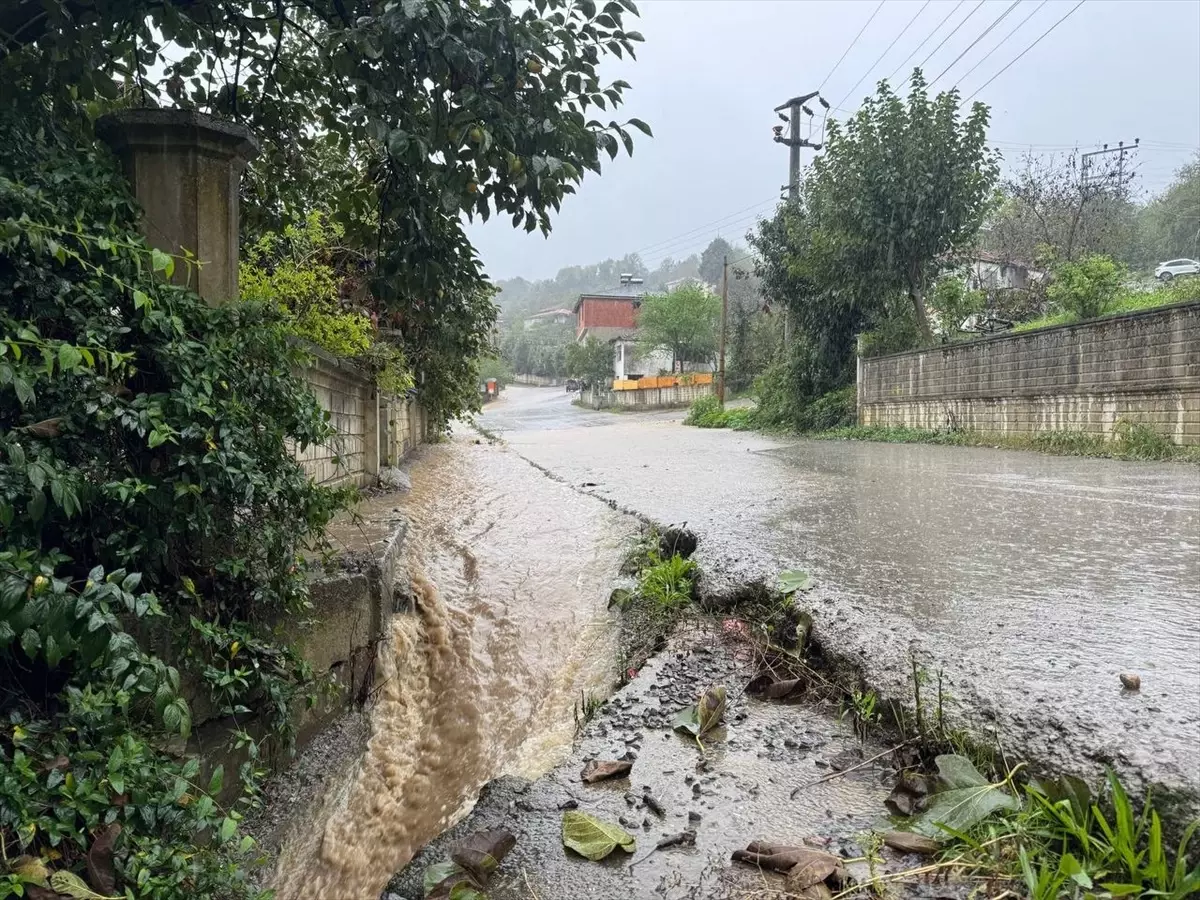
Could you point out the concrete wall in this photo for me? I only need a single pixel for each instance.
(1142, 367)
(539, 380)
(646, 398)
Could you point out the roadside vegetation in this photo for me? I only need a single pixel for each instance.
(1130, 440)
(155, 525)
(980, 822)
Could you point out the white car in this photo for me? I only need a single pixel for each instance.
(1168, 270)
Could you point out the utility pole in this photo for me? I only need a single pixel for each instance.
(794, 142)
(724, 327)
(1088, 161)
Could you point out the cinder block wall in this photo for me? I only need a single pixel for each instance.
(372, 431)
(348, 394)
(1141, 367)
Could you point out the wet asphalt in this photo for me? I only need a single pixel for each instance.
(1030, 582)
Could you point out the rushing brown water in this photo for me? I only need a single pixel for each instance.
(511, 572)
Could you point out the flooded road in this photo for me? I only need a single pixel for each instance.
(1032, 580)
(511, 574)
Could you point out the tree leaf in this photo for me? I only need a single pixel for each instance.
(966, 799)
(592, 838)
(73, 886)
(711, 709)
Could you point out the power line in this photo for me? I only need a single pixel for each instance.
(1003, 41)
(936, 29)
(942, 42)
(884, 53)
(671, 240)
(1026, 50)
(1000, 18)
(852, 43)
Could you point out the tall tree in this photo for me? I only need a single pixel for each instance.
(1052, 210)
(901, 184)
(1169, 225)
(398, 119)
(684, 322)
(713, 258)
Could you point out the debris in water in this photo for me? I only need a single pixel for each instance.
(653, 804)
(964, 799)
(601, 770)
(706, 715)
(471, 864)
(685, 838)
(908, 796)
(807, 870)
(592, 838)
(1131, 681)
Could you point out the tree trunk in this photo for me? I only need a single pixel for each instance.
(918, 301)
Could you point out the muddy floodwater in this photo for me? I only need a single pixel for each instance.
(1031, 580)
(511, 574)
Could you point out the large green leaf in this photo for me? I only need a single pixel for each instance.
(966, 798)
(592, 838)
(794, 580)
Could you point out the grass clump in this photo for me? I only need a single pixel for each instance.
(1062, 842)
(667, 583)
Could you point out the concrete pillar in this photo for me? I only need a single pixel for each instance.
(184, 168)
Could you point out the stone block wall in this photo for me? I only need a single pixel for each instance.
(348, 393)
(1140, 367)
(373, 429)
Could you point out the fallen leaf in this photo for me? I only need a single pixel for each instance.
(592, 838)
(31, 869)
(482, 852)
(793, 580)
(907, 842)
(964, 799)
(600, 770)
(441, 880)
(100, 859)
(687, 720)
(813, 869)
(818, 891)
(711, 709)
(786, 857)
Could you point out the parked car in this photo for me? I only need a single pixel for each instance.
(1168, 270)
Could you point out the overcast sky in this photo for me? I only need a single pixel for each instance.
(711, 72)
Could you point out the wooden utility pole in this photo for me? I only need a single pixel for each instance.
(724, 327)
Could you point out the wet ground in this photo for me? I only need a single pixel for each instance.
(736, 791)
(511, 575)
(1031, 580)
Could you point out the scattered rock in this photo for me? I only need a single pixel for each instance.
(1131, 681)
(569, 804)
(685, 838)
(907, 842)
(653, 804)
(847, 759)
(693, 816)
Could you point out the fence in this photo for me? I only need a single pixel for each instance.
(1139, 367)
(650, 396)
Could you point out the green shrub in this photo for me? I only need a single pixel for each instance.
(149, 501)
(706, 412)
(1086, 288)
(1140, 441)
(305, 272)
(833, 410)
